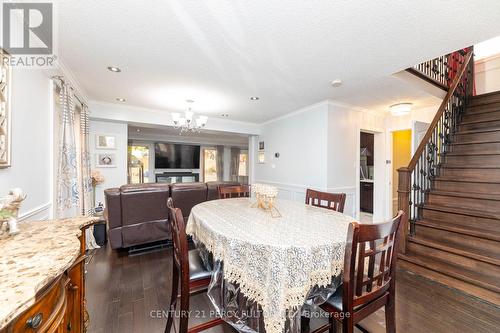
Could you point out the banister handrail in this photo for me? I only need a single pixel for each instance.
(415, 180)
(439, 113)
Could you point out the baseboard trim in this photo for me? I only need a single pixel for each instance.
(37, 213)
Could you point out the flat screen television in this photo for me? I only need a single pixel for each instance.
(176, 156)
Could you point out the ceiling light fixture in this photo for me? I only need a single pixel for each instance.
(336, 83)
(400, 109)
(119, 99)
(188, 123)
(114, 69)
(254, 98)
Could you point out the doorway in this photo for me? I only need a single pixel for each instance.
(366, 176)
(401, 156)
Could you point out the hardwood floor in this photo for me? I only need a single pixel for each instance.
(125, 292)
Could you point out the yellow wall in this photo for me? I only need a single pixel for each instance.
(401, 156)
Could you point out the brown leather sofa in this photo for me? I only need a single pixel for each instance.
(137, 213)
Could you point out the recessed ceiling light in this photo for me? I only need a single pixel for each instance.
(254, 98)
(114, 69)
(138, 130)
(119, 99)
(336, 83)
(225, 115)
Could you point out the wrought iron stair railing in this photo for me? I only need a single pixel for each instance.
(416, 179)
(440, 71)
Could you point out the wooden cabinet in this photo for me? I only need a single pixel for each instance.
(366, 194)
(59, 306)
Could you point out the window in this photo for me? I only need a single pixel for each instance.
(243, 166)
(210, 165)
(138, 164)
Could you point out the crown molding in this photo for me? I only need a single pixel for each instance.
(69, 76)
(294, 113)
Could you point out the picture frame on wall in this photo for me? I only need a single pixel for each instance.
(105, 141)
(5, 112)
(105, 160)
(261, 145)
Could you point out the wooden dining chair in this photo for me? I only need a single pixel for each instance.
(193, 276)
(369, 278)
(333, 201)
(232, 191)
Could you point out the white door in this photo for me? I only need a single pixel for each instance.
(418, 130)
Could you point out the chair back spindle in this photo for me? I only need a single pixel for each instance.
(226, 192)
(333, 201)
(370, 261)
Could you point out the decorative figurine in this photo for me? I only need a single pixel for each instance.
(9, 210)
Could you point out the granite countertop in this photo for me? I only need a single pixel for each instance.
(41, 251)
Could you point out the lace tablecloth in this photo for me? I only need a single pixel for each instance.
(275, 261)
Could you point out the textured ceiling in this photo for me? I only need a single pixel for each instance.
(220, 53)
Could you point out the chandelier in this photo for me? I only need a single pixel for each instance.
(189, 123)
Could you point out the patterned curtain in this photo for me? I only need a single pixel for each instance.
(235, 163)
(67, 201)
(86, 202)
(220, 163)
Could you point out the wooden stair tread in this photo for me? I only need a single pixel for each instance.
(450, 269)
(492, 234)
(478, 121)
(470, 153)
(484, 99)
(461, 166)
(478, 109)
(463, 250)
(464, 180)
(473, 143)
(481, 130)
(463, 211)
(483, 196)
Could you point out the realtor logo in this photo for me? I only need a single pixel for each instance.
(28, 34)
(28, 28)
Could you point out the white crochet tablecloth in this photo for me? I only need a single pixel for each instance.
(276, 261)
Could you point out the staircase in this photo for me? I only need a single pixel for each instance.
(452, 193)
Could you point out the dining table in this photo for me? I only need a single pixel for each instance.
(266, 268)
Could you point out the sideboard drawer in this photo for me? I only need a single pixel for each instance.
(48, 311)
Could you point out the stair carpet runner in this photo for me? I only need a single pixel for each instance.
(457, 239)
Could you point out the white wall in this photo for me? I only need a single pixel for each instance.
(115, 177)
(31, 142)
(319, 148)
(344, 126)
(488, 75)
(300, 139)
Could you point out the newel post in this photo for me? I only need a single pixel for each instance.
(404, 183)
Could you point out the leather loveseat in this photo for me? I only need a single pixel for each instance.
(137, 213)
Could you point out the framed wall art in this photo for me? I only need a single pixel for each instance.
(105, 141)
(105, 160)
(5, 118)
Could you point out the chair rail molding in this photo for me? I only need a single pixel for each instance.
(297, 192)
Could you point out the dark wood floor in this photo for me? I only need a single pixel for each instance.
(125, 292)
